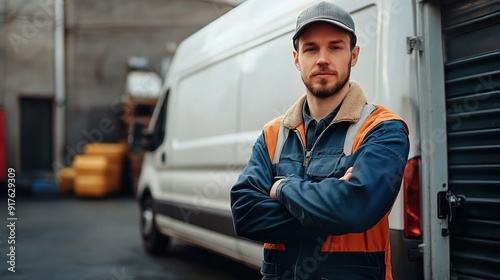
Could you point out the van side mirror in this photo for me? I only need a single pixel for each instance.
(134, 138)
(139, 140)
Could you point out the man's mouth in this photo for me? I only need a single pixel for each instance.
(323, 74)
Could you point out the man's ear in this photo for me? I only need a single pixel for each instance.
(296, 60)
(354, 56)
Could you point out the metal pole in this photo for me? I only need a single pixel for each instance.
(59, 83)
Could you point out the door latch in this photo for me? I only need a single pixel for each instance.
(449, 205)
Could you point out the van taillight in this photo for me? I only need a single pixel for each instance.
(411, 187)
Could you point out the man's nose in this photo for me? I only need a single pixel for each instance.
(322, 57)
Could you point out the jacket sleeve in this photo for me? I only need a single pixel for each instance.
(255, 214)
(335, 207)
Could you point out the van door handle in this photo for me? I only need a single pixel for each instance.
(163, 157)
(449, 205)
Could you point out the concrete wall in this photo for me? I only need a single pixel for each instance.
(99, 38)
(28, 58)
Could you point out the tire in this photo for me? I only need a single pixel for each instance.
(154, 242)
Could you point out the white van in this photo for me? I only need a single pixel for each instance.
(435, 65)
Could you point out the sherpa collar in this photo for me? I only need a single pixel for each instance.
(350, 110)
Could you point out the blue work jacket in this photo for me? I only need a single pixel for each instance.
(320, 227)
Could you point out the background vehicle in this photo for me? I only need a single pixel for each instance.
(434, 64)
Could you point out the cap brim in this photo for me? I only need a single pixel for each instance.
(308, 23)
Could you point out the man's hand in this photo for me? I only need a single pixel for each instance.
(272, 194)
(348, 174)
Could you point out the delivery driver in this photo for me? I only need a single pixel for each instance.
(322, 179)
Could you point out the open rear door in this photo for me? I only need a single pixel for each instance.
(434, 162)
(460, 116)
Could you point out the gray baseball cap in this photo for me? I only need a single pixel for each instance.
(325, 12)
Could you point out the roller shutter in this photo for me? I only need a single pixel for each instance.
(471, 36)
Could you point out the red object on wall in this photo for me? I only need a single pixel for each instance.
(3, 147)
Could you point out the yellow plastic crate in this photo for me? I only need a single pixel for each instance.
(91, 185)
(91, 164)
(94, 176)
(113, 151)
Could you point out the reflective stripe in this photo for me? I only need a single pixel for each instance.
(280, 143)
(353, 129)
(381, 115)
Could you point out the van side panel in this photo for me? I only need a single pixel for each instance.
(205, 114)
(366, 71)
(201, 150)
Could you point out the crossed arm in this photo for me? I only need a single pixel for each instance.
(347, 176)
(293, 207)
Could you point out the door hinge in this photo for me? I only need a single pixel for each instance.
(414, 43)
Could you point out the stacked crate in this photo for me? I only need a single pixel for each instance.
(98, 171)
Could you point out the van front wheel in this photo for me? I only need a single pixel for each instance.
(153, 240)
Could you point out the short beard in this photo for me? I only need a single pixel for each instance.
(324, 93)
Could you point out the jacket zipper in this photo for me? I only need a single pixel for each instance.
(308, 154)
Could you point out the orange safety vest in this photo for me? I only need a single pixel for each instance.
(375, 239)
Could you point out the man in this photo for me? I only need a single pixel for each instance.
(322, 179)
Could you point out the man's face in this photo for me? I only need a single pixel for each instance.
(324, 59)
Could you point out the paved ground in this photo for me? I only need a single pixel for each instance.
(71, 238)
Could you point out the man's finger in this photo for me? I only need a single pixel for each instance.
(348, 174)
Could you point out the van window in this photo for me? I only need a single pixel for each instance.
(159, 128)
